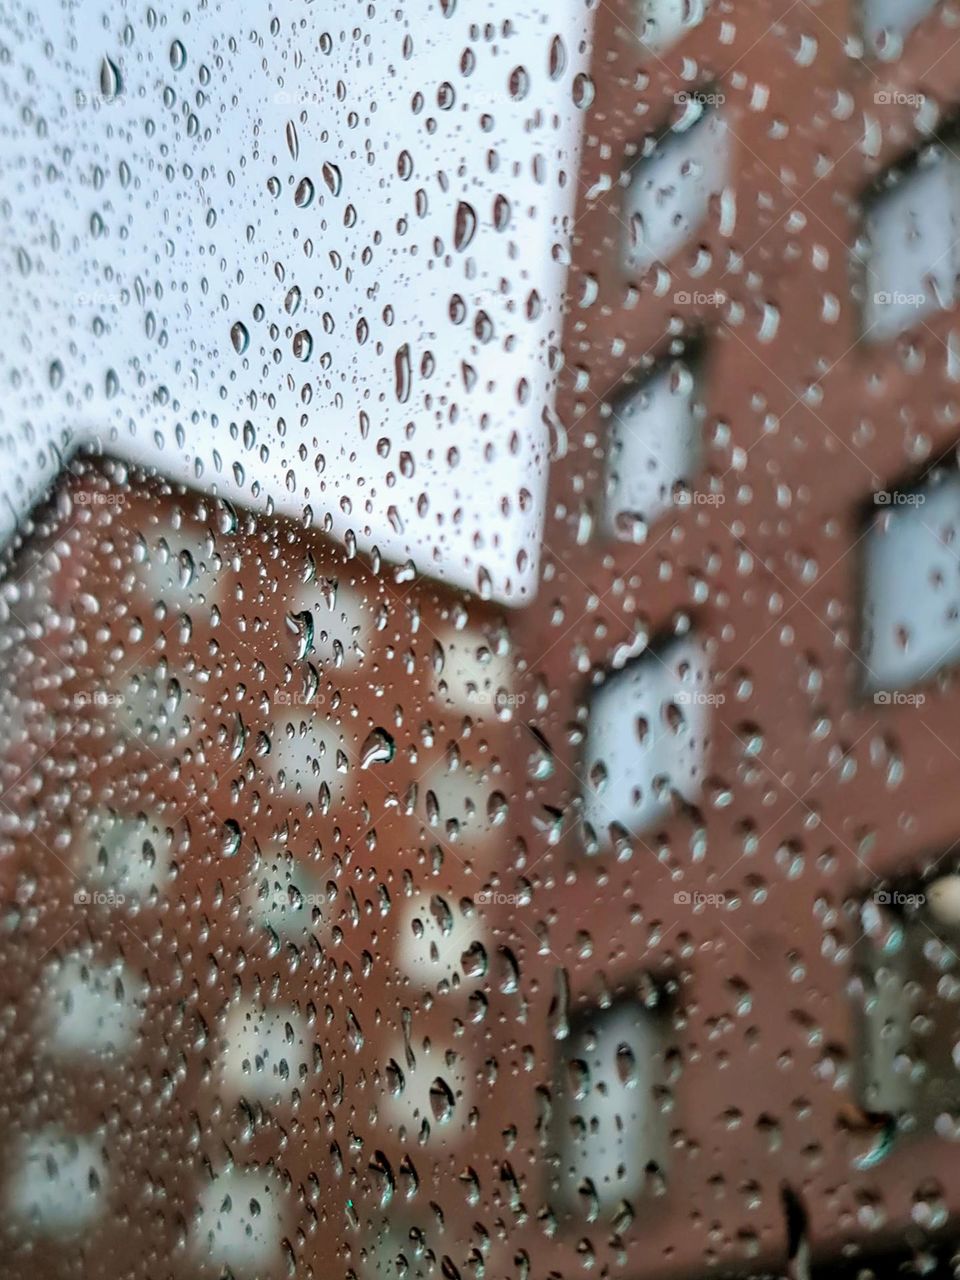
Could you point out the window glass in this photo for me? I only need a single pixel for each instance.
(479, 643)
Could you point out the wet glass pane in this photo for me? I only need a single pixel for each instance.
(479, 642)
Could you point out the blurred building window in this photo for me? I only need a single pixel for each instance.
(911, 606)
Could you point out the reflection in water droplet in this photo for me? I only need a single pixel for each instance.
(378, 748)
(303, 196)
(293, 141)
(402, 374)
(232, 838)
(465, 226)
(110, 79)
(558, 58)
(303, 344)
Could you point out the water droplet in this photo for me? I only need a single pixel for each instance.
(232, 838)
(303, 344)
(402, 374)
(110, 79)
(293, 141)
(303, 196)
(465, 226)
(557, 61)
(378, 748)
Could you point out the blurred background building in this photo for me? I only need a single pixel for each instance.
(479, 630)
